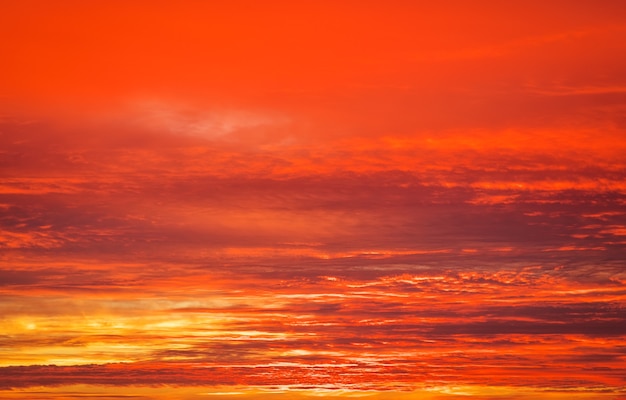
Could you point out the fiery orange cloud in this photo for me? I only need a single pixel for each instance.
(344, 199)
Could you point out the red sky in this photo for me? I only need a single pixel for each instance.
(269, 200)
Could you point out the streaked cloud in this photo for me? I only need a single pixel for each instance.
(328, 200)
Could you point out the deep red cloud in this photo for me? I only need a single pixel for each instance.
(357, 198)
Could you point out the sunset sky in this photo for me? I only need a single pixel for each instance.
(271, 200)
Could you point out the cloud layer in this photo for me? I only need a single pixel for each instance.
(410, 201)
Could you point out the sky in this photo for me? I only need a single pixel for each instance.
(247, 200)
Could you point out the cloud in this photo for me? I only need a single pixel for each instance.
(238, 125)
(252, 202)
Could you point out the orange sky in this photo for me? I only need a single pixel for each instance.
(267, 200)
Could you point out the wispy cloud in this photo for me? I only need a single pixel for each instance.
(292, 201)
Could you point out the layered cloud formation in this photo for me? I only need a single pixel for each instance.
(336, 199)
